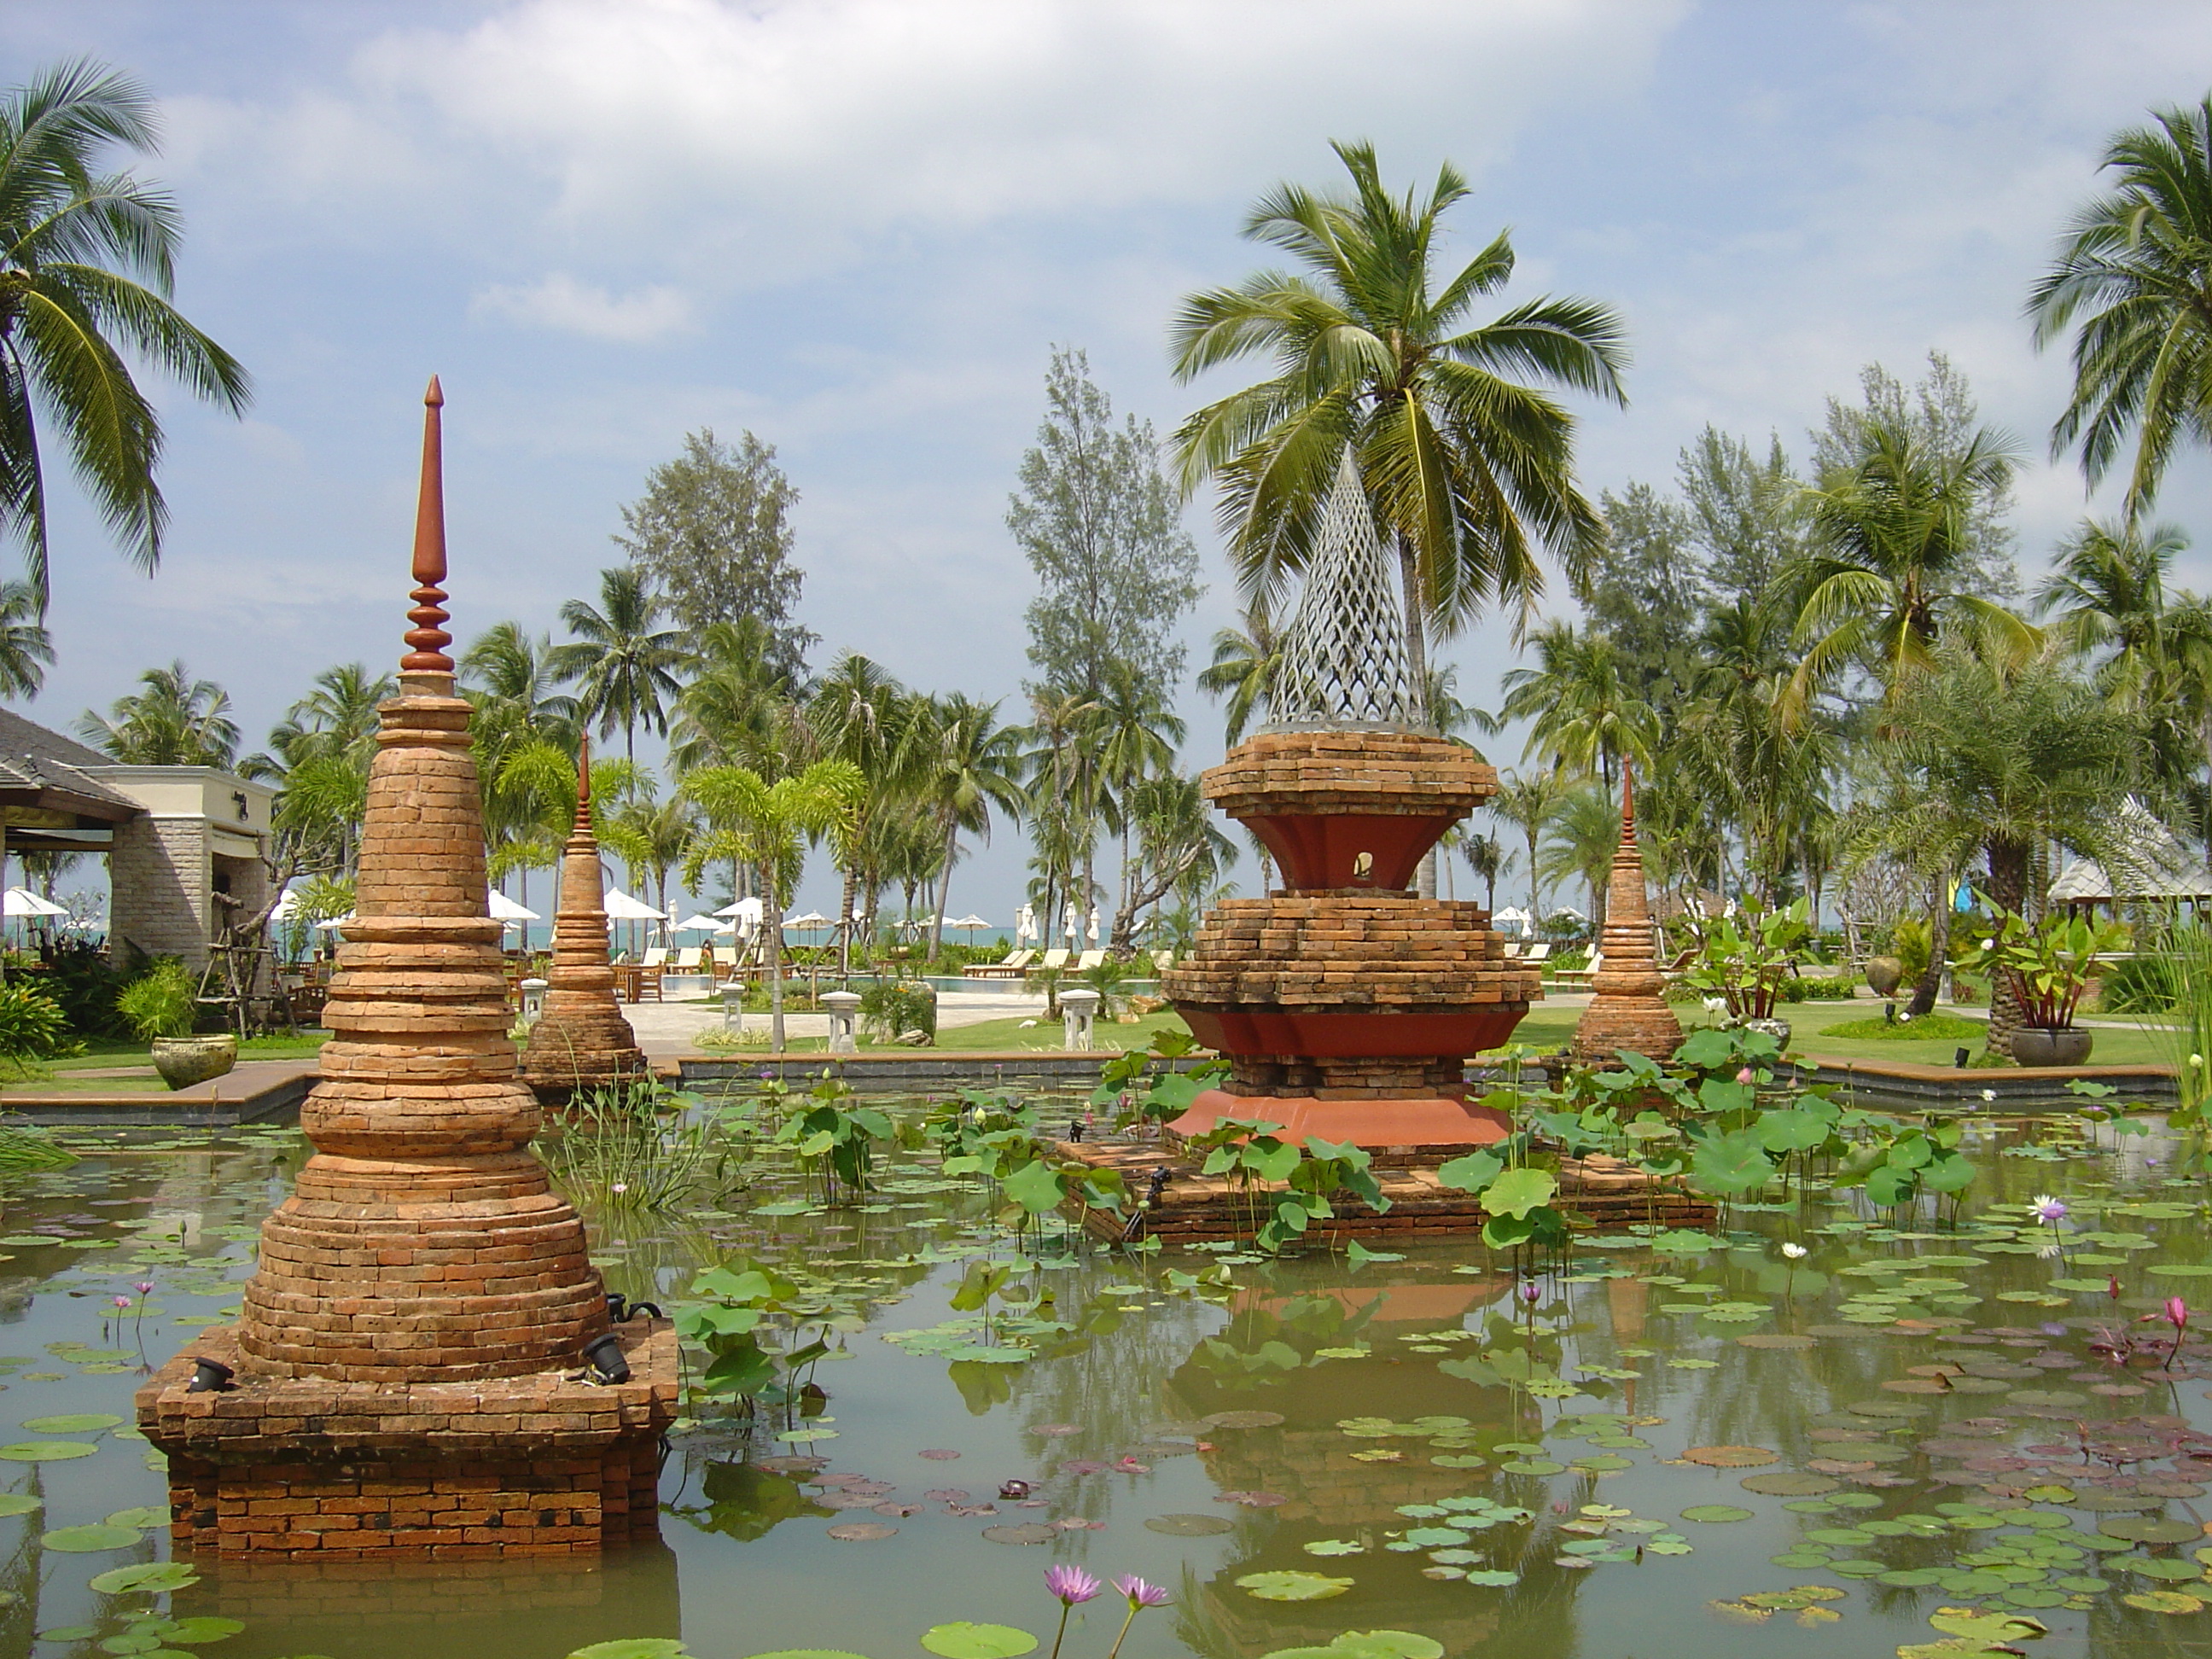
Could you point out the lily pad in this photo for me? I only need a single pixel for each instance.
(2145, 1529)
(1293, 1586)
(154, 1577)
(1335, 1546)
(146, 1515)
(964, 1640)
(1731, 1457)
(1714, 1514)
(19, 1503)
(861, 1532)
(46, 1451)
(1788, 1486)
(87, 1541)
(1241, 1419)
(1493, 1579)
(1188, 1526)
(665, 1647)
(2163, 1602)
(1037, 1532)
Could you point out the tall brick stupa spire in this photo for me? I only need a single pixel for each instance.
(1630, 1010)
(582, 1041)
(423, 1242)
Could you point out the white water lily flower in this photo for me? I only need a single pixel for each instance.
(1989, 1094)
(1795, 1252)
(2197, 1060)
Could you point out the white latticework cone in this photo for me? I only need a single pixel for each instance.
(1344, 656)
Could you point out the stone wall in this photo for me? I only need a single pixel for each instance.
(160, 875)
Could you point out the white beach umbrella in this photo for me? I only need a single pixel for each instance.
(700, 925)
(811, 920)
(1091, 934)
(621, 907)
(971, 922)
(22, 901)
(505, 909)
(334, 923)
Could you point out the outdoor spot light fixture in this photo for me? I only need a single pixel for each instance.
(210, 1377)
(607, 1361)
(621, 1309)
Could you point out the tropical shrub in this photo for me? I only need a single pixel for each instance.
(2137, 985)
(159, 1003)
(81, 978)
(891, 1007)
(1747, 966)
(32, 1026)
(2048, 966)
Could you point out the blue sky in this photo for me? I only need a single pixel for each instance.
(857, 227)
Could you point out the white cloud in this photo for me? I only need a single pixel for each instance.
(558, 302)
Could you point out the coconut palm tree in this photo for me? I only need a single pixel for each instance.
(87, 267)
(2133, 272)
(509, 677)
(1487, 857)
(857, 714)
(1244, 669)
(966, 764)
(1582, 704)
(1584, 833)
(1469, 471)
(1527, 802)
(1134, 733)
(1892, 538)
(26, 650)
(2107, 599)
(176, 720)
(623, 669)
(752, 821)
(652, 837)
(737, 707)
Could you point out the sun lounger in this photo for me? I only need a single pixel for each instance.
(691, 959)
(1053, 960)
(1538, 952)
(1163, 960)
(1584, 976)
(1010, 968)
(1089, 960)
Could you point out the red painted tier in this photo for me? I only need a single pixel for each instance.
(1323, 850)
(1443, 1122)
(1454, 1035)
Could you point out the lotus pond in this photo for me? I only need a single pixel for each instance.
(1814, 1428)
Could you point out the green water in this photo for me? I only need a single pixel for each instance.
(1401, 1423)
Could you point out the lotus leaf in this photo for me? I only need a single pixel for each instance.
(962, 1639)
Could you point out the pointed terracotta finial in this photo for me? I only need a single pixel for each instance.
(1627, 796)
(428, 639)
(584, 778)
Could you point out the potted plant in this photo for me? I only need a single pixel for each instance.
(2048, 968)
(159, 1007)
(1746, 966)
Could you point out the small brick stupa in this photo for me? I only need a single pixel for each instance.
(1630, 1010)
(1346, 1004)
(409, 1379)
(582, 1041)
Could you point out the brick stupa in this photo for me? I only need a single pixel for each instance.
(1630, 1010)
(409, 1373)
(1346, 1004)
(582, 1041)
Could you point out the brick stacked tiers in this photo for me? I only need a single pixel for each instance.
(582, 1041)
(1630, 1010)
(1346, 1005)
(423, 1244)
(330, 1472)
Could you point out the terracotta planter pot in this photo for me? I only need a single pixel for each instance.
(2031, 1045)
(183, 1062)
(1884, 975)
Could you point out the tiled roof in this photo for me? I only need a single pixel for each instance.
(31, 757)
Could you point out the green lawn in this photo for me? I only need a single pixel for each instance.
(101, 1052)
(1015, 1034)
(1550, 1027)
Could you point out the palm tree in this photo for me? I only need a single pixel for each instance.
(752, 821)
(856, 715)
(87, 268)
(1063, 809)
(652, 837)
(2000, 765)
(26, 650)
(176, 720)
(1893, 535)
(1527, 802)
(1467, 469)
(1244, 669)
(508, 676)
(1582, 704)
(1585, 831)
(1487, 857)
(2135, 270)
(2106, 597)
(968, 764)
(737, 709)
(622, 668)
(1135, 734)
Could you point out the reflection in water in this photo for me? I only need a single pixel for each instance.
(1409, 1425)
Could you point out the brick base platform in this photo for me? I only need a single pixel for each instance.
(305, 1469)
(1195, 1209)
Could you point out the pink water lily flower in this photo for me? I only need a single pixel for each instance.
(1071, 1584)
(2176, 1314)
(1140, 1593)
